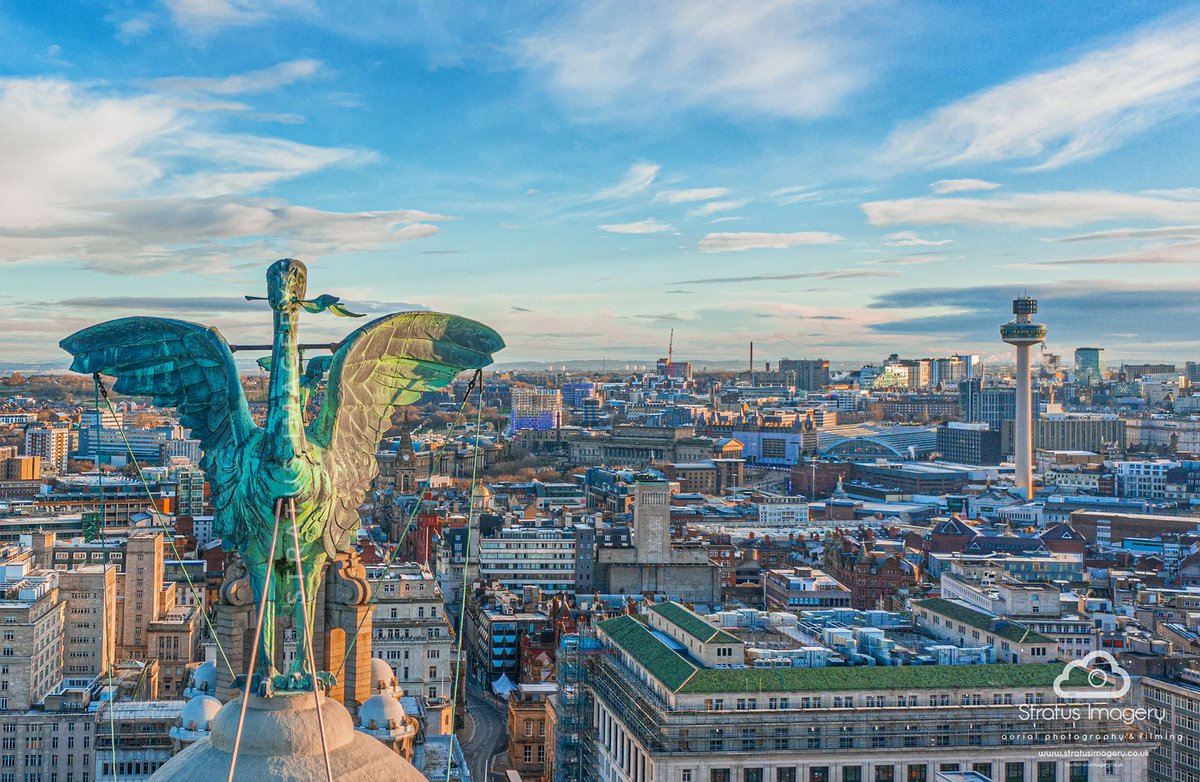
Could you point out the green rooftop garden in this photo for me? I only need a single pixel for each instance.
(904, 677)
(680, 675)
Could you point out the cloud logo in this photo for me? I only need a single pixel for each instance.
(1098, 680)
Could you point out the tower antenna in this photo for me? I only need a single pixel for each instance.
(671, 354)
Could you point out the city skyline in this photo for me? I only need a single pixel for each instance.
(841, 180)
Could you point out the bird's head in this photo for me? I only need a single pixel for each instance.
(287, 282)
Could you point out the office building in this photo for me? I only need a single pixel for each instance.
(410, 629)
(810, 375)
(655, 563)
(1089, 365)
(535, 408)
(519, 557)
(21, 468)
(795, 589)
(968, 443)
(1173, 703)
(674, 700)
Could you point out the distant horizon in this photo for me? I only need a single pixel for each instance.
(616, 365)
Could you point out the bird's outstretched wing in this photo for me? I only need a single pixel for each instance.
(388, 362)
(182, 365)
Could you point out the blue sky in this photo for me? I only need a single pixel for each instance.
(843, 179)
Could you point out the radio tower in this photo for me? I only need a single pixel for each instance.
(1023, 333)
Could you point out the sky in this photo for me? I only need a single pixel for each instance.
(826, 178)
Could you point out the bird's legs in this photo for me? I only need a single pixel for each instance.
(307, 580)
(264, 593)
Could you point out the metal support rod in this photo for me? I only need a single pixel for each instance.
(262, 607)
(330, 346)
(312, 658)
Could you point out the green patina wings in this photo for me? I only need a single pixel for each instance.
(388, 362)
(179, 364)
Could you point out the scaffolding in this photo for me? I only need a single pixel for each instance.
(574, 747)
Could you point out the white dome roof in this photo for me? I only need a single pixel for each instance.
(382, 710)
(198, 712)
(204, 678)
(380, 672)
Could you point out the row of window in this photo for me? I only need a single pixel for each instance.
(871, 701)
(1043, 771)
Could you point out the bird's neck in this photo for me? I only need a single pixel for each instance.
(285, 439)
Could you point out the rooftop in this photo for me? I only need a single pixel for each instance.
(692, 623)
(1011, 631)
(680, 675)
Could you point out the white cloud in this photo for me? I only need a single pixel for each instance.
(157, 235)
(1066, 114)
(136, 27)
(263, 80)
(647, 226)
(1180, 252)
(639, 177)
(1060, 209)
(774, 58)
(206, 16)
(910, 239)
(690, 196)
(138, 184)
(1121, 234)
(53, 57)
(713, 207)
(735, 242)
(64, 147)
(961, 185)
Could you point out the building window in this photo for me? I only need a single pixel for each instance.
(528, 753)
(885, 774)
(1014, 772)
(786, 774)
(852, 774)
(1079, 771)
(752, 775)
(718, 775)
(917, 772)
(1047, 771)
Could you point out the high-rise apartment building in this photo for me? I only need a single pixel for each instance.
(52, 444)
(189, 488)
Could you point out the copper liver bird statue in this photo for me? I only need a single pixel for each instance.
(324, 468)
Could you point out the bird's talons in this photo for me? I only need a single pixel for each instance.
(262, 686)
(301, 681)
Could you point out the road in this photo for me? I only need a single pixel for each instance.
(491, 734)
